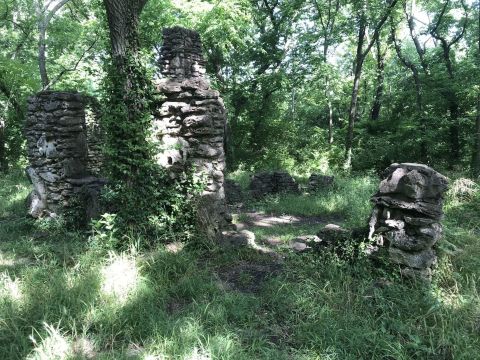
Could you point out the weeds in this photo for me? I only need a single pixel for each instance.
(64, 297)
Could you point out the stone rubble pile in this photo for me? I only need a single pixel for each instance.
(189, 123)
(275, 182)
(57, 151)
(406, 217)
(318, 182)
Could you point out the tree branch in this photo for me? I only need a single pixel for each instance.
(74, 68)
(376, 31)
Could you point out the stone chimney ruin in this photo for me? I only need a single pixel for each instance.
(189, 124)
(406, 218)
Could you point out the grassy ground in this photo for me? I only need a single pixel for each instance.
(63, 296)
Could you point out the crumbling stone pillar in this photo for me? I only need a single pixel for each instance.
(57, 151)
(407, 214)
(189, 125)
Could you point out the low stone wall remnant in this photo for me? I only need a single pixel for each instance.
(275, 182)
(406, 217)
(318, 182)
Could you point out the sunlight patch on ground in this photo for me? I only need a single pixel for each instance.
(120, 276)
(10, 288)
(54, 346)
(198, 354)
(450, 299)
(57, 346)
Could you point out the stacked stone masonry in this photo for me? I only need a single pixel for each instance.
(95, 140)
(56, 136)
(318, 182)
(275, 182)
(189, 124)
(406, 217)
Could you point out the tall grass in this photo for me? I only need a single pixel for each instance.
(63, 298)
(348, 201)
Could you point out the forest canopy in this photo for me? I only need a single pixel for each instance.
(316, 85)
(239, 179)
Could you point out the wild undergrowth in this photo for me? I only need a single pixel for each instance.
(348, 200)
(64, 295)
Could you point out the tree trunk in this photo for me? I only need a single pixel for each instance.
(357, 69)
(352, 115)
(330, 122)
(327, 93)
(377, 102)
(44, 16)
(418, 90)
(453, 107)
(3, 155)
(129, 150)
(476, 150)
(123, 17)
(42, 58)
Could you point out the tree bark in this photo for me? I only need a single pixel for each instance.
(44, 16)
(123, 17)
(128, 132)
(327, 22)
(352, 115)
(418, 87)
(476, 150)
(377, 101)
(3, 155)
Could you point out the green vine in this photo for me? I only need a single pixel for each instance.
(140, 193)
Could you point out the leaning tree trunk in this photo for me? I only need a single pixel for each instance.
(44, 16)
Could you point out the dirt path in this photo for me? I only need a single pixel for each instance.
(253, 219)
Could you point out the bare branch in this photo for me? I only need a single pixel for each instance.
(74, 68)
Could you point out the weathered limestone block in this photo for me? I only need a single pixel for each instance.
(57, 150)
(407, 214)
(189, 123)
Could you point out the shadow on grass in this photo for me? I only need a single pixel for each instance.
(173, 305)
(316, 307)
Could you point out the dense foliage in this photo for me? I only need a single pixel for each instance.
(310, 85)
(286, 70)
